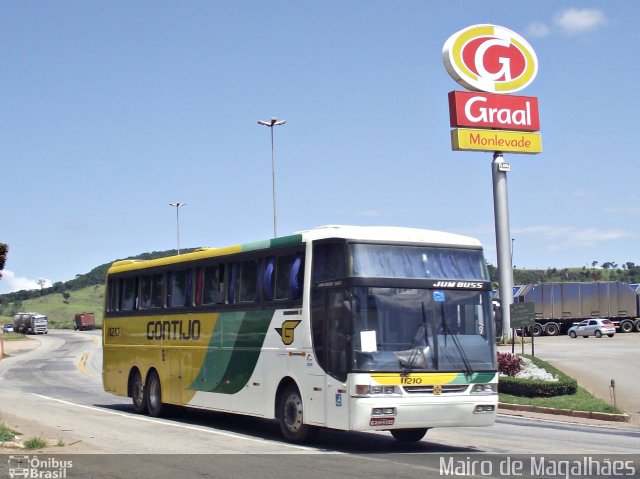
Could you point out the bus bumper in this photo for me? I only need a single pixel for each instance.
(371, 414)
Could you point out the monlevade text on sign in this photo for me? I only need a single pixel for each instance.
(495, 140)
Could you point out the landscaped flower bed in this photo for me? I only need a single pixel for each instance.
(533, 378)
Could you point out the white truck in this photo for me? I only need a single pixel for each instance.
(30, 323)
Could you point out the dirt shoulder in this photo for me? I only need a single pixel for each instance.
(59, 440)
(12, 348)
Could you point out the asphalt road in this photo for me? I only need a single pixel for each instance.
(55, 390)
(594, 362)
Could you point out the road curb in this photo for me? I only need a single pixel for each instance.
(602, 416)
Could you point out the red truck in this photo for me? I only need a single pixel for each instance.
(84, 321)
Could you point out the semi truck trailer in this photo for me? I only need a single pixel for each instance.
(557, 306)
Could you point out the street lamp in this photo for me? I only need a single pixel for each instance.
(271, 123)
(178, 204)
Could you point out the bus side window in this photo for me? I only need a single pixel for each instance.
(112, 295)
(157, 290)
(212, 284)
(329, 261)
(243, 284)
(248, 281)
(269, 278)
(145, 291)
(179, 288)
(129, 293)
(296, 277)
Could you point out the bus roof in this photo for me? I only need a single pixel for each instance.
(387, 234)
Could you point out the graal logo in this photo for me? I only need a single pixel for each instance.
(27, 466)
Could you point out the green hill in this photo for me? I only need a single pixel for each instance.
(61, 310)
(61, 301)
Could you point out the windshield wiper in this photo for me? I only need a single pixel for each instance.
(417, 353)
(456, 341)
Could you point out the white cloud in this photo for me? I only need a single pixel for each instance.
(579, 20)
(538, 30)
(17, 283)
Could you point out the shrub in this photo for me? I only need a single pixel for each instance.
(536, 388)
(509, 364)
(35, 443)
(6, 434)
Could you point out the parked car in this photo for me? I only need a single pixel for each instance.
(7, 328)
(593, 327)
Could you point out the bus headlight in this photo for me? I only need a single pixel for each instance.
(489, 388)
(383, 411)
(367, 390)
(483, 408)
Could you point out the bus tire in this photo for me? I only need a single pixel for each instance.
(638, 326)
(138, 392)
(408, 435)
(291, 416)
(153, 389)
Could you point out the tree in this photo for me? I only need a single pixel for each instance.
(594, 264)
(4, 249)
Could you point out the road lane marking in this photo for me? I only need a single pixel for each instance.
(82, 366)
(182, 426)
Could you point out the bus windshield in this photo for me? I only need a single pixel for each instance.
(386, 261)
(403, 329)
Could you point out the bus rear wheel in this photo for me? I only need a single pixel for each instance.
(154, 395)
(291, 417)
(408, 435)
(138, 395)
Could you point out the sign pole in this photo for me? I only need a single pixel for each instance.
(503, 239)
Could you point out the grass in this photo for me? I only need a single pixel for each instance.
(60, 311)
(13, 337)
(582, 400)
(35, 443)
(6, 434)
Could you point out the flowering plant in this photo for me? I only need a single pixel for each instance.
(509, 364)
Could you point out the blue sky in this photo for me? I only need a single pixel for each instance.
(111, 110)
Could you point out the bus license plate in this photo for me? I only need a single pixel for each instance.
(381, 421)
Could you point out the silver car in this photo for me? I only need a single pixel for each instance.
(593, 327)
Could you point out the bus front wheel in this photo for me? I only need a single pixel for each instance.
(154, 395)
(408, 435)
(291, 417)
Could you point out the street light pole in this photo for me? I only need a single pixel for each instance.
(271, 123)
(178, 204)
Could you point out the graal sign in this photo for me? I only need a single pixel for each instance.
(490, 58)
(486, 110)
(492, 62)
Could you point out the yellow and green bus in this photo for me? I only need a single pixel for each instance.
(343, 327)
